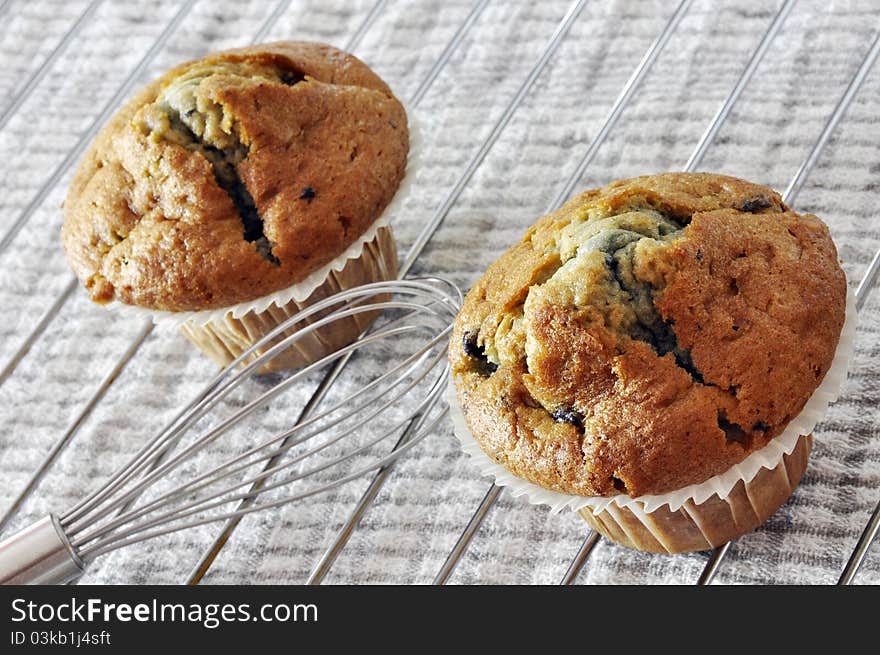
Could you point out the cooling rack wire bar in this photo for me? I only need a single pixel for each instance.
(38, 75)
(439, 215)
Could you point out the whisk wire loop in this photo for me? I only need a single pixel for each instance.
(439, 299)
(165, 487)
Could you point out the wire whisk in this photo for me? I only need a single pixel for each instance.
(166, 486)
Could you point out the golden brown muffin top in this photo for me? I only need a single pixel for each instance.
(648, 335)
(234, 176)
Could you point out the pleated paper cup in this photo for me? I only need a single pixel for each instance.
(699, 516)
(228, 334)
(225, 333)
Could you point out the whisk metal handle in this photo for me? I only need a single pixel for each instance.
(39, 554)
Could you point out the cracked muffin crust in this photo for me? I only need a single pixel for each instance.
(233, 177)
(648, 335)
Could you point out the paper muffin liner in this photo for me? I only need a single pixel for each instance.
(715, 521)
(226, 332)
(779, 457)
(227, 337)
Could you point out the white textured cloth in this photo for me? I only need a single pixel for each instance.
(429, 498)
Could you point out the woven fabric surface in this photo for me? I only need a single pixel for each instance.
(431, 494)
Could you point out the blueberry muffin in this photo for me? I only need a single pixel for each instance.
(648, 336)
(233, 178)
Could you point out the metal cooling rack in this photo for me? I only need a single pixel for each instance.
(580, 559)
